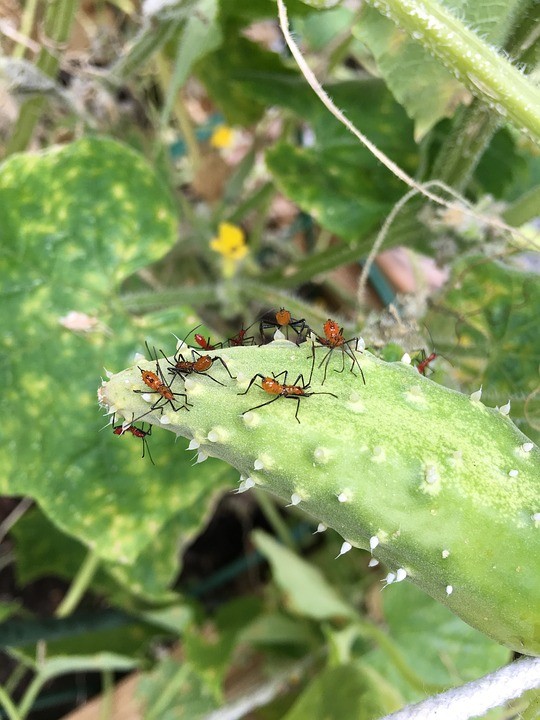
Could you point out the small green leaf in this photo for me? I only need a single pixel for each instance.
(99, 662)
(524, 209)
(223, 72)
(321, 4)
(306, 591)
(7, 609)
(200, 34)
(344, 692)
(411, 72)
(209, 653)
(175, 690)
(492, 309)
(276, 629)
(174, 619)
(349, 192)
(441, 648)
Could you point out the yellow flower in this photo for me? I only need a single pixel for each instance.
(231, 244)
(222, 137)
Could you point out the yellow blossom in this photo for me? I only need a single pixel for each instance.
(222, 137)
(231, 244)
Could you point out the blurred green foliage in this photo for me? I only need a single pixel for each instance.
(104, 244)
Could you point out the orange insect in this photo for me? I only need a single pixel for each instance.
(283, 319)
(199, 366)
(333, 338)
(295, 391)
(136, 432)
(159, 386)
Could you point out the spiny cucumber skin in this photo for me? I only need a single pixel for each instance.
(427, 471)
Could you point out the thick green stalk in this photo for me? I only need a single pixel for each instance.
(474, 126)
(7, 704)
(487, 74)
(443, 490)
(463, 147)
(140, 302)
(27, 23)
(404, 231)
(56, 29)
(80, 585)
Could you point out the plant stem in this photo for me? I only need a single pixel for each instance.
(32, 691)
(275, 520)
(524, 208)
(79, 585)
(144, 301)
(9, 708)
(464, 145)
(58, 21)
(15, 678)
(404, 230)
(474, 126)
(182, 118)
(167, 694)
(394, 653)
(148, 41)
(105, 710)
(487, 74)
(27, 22)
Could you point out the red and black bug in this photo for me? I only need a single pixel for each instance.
(159, 386)
(205, 344)
(424, 365)
(199, 365)
(283, 320)
(240, 338)
(333, 339)
(294, 391)
(136, 432)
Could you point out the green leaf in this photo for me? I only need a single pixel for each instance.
(276, 629)
(209, 653)
(7, 609)
(411, 72)
(440, 647)
(492, 309)
(174, 619)
(72, 228)
(200, 34)
(41, 549)
(132, 640)
(248, 10)
(319, 29)
(99, 662)
(305, 589)
(344, 692)
(223, 73)
(321, 4)
(500, 164)
(524, 209)
(349, 191)
(175, 690)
